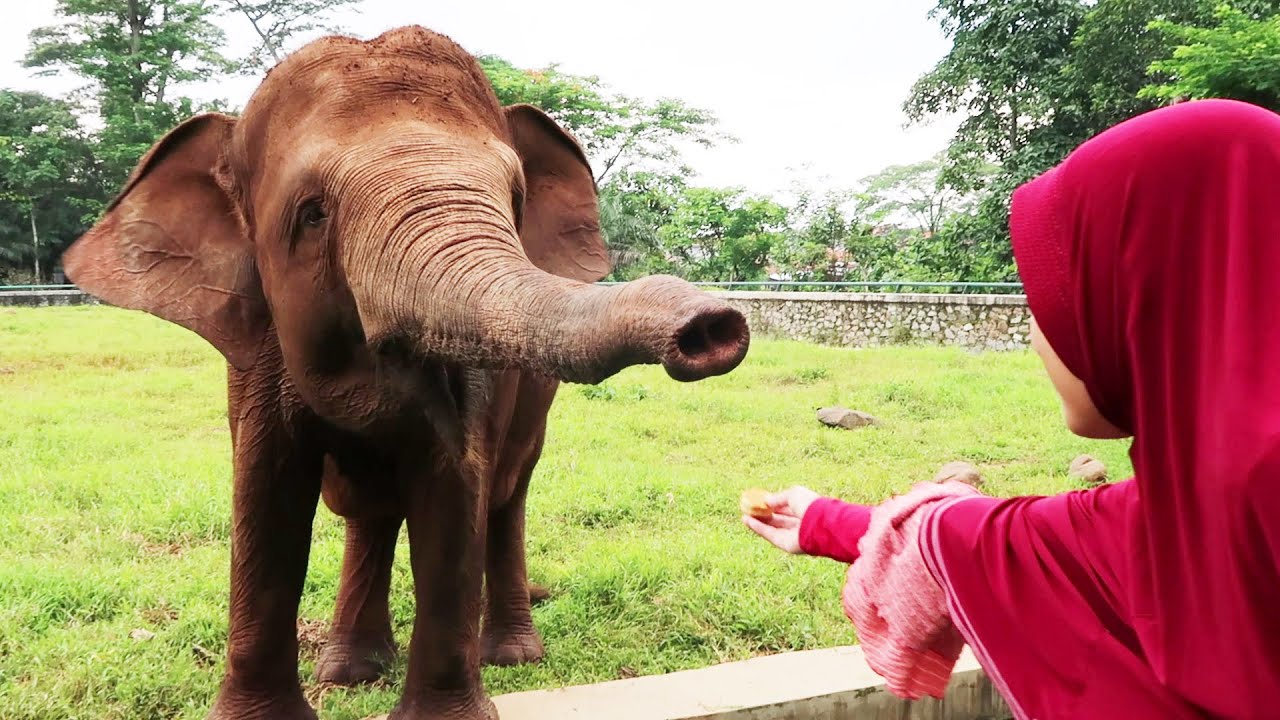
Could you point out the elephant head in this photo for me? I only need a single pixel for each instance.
(374, 199)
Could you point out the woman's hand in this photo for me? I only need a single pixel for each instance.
(783, 529)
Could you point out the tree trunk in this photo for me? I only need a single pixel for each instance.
(135, 45)
(266, 41)
(1013, 127)
(35, 238)
(163, 80)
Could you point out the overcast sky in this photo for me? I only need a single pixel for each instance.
(812, 88)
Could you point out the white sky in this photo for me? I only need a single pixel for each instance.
(813, 89)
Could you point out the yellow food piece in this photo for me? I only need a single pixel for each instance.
(755, 502)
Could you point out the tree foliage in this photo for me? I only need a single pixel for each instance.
(722, 234)
(1006, 58)
(1035, 78)
(915, 194)
(276, 23)
(49, 180)
(617, 131)
(633, 207)
(1238, 58)
(135, 55)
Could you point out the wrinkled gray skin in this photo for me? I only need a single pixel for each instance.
(398, 271)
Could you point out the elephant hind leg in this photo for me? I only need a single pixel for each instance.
(360, 645)
(509, 636)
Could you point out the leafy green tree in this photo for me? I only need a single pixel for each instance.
(915, 194)
(618, 132)
(634, 206)
(1006, 74)
(135, 55)
(722, 234)
(49, 183)
(1237, 58)
(816, 246)
(1002, 71)
(278, 22)
(1110, 56)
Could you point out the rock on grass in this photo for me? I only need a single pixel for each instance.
(959, 470)
(842, 417)
(1087, 469)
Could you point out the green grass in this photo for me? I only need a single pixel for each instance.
(115, 508)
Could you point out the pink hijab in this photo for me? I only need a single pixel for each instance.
(1151, 259)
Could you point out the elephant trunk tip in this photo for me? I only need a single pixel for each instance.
(712, 342)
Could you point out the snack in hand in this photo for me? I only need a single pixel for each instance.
(755, 502)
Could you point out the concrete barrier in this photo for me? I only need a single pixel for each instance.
(977, 322)
(46, 298)
(832, 684)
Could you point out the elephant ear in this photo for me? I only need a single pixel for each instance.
(172, 244)
(561, 226)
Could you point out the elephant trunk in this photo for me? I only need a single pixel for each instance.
(586, 333)
(453, 282)
(504, 312)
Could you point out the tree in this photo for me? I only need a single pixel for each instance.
(135, 55)
(277, 22)
(617, 132)
(1122, 47)
(722, 234)
(816, 246)
(1002, 71)
(634, 206)
(916, 194)
(1110, 56)
(48, 179)
(1237, 58)
(1005, 74)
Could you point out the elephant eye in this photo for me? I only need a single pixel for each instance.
(517, 205)
(311, 214)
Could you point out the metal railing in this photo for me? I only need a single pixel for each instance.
(35, 288)
(770, 285)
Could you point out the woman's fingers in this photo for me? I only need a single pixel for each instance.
(784, 521)
(786, 539)
(793, 501)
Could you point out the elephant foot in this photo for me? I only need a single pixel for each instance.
(538, 594)
(475, 708)
(236, 704)
(348, 661)
(508, 648)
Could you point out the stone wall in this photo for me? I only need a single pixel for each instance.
(978, 322)
(45, 298)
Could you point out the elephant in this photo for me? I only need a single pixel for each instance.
(398, 271)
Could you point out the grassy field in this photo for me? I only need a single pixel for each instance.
(115, 509)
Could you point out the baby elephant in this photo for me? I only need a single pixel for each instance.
(398, 271)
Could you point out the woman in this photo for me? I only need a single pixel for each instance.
(1151, 261)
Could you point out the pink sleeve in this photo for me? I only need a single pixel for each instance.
(899, 610)
(832, 528)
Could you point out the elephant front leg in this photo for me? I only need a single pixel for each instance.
(509, 636)
(274, 504)
(446, 521)
(360, 643)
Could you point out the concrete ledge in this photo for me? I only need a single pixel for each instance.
(833, 684)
